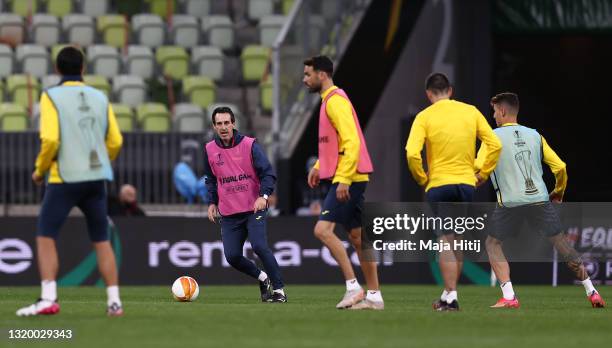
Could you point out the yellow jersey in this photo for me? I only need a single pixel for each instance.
(449, 130)
(50, 137)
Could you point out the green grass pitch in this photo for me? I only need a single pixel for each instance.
(231, 316)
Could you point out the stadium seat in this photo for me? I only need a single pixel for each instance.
(185, 30)
(79, 29)
(153, 117)
(199, 90)
(45, 29)
(331, 10)
(13, 117)
(149, 29)
(125, 117)
(269, 27)
(94, 7)
(189, 118)
(265, 92)
(23, 89)
(98, 82)
(24, 7)
(162, 8)
(139, 61)
(33, 59)
(198, 8)
(12, 28)
(114, 29)
(174, 61)
(287, 5)
(50, 81)
(208, 61)
(254, 62)
(6, 60)
(55, 51)
(316, 25)
(240, 120)
(129, 90)
(219, 31)
(103, 60)
(58, 7)
(258, 9)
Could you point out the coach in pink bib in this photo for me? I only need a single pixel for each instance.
(239, 179)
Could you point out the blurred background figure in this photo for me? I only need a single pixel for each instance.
(273, 209)
(126, 204)
(312, 197)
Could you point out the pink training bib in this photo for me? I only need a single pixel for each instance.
(237, 181)
(328, 142)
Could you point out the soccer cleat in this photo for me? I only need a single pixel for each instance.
(350, 298)
(40, 307)
(114, 310)
(265, 288)
(438, 305)
(277, 297)
(503, 303)
(368, 304)
(449, 307)
(596, 300)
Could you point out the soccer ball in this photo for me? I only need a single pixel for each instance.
(185, 289)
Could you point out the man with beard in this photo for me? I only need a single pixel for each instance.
(343, 158)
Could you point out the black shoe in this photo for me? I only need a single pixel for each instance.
(438, 305)
(278, 298)
(265, 288)
(449, 307)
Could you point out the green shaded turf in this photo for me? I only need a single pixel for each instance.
(230, 316)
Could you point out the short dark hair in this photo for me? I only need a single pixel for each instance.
(223, 110)
(70, 61)
(321, 63)
(508, 98)
(437, 83)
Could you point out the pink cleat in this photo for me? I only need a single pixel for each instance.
(40, 307)
(503, 303)
(596, 300)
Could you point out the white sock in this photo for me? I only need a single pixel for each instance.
(507, 290)
(113, 295)
(352, 284)
(279, 291)
(374, 296)
(49, 290)
(444, 295)
(262, 276)
(588, 286)
(452, 296)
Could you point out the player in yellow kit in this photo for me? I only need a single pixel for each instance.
(449, 130)
(79, 138)
(522, 196)
(343, 158)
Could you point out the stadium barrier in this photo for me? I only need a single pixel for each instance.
(155, 251)
(146, 161)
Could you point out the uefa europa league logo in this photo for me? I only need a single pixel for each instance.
(87, 125)
(523, 159)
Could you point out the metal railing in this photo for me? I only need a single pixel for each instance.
(146, 161)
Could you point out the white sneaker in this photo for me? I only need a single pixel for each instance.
(39, 307)
(350, 298)
(368, 304)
